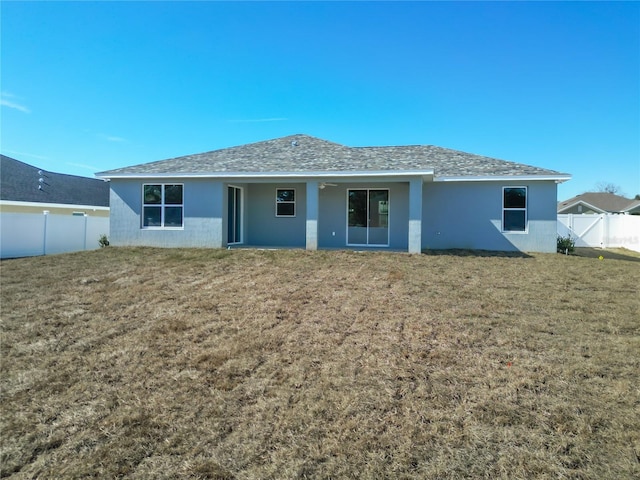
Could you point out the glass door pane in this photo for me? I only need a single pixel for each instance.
(357, 221)
(378, 217)
(368, 217)
(234, 215)
(238, 220)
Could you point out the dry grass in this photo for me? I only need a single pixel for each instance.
(145, 363)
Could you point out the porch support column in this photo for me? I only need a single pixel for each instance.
(217, 239)
(415, 215)
(312, 215)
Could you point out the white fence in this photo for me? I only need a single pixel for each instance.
(31, 234)
(602, 231)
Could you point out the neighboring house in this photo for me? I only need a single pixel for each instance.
(598, 203)
(44, 212)
(27, 189)
(301, 191)
(633, 208)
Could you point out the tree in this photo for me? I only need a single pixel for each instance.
(608, 188)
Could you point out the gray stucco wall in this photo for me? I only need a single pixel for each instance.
(264, 228)
(468, 215)
(332, 221)
(203, 214)
(464, 215)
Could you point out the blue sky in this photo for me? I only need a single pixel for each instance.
(91, 86)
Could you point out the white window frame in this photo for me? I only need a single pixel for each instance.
(524, 209)
(293, 202)
(162, 206)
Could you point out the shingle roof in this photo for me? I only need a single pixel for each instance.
(20, 181)
(304, 154)
(633, 207)
(606, 202)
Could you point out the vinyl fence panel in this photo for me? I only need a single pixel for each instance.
(28, 234)
(21, 235)
(623, 231)
(601, 231)
(65, 233)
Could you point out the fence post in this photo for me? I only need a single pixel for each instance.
(570, 223)
(44, 239)
(84, 246)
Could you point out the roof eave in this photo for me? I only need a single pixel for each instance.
(20, 203)
(558, 178)
(583, 203)
(239, 175)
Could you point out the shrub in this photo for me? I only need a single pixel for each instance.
(566, 244)
(103, 241)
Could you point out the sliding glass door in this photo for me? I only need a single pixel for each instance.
(234, 215)
(368, 217)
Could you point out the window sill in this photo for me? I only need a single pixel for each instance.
(162, 228)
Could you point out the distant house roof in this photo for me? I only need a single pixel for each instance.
(601, 202)
(633, 207)
(305, 155)
(20, 182)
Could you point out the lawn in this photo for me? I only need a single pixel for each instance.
(248, 364)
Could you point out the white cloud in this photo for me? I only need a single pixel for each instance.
(24, 154)
(7, 100)
(259, 120)
(112, 138)
(83, 166)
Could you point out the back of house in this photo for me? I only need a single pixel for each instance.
(304, 192)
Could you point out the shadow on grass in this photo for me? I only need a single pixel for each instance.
(475, 253)
(607, 254)
(617, 254)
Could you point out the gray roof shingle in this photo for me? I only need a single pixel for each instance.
(607, 202)
(19, 182)
(305, 154)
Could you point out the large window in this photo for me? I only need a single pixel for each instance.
(285, 202)
(514, 209)
(162, 206)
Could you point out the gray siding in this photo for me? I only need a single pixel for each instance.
(468, 215)
(203, 214)
(332, 221)
(465, 215)
(264, 228)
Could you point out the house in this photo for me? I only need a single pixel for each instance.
(599, 202)
(28, 189)
(43, 212)
(305, 192)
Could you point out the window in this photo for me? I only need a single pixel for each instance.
(162, 206)
(514, 209)
(285, 202)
